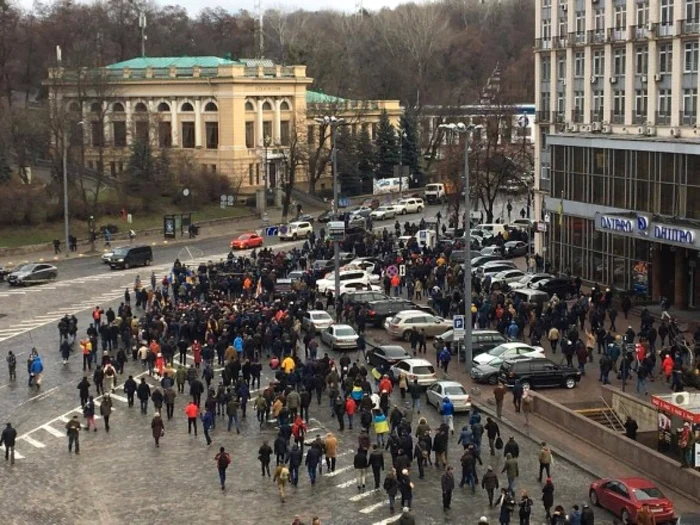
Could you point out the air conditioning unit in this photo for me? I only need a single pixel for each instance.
(564, 8)
(642, 130)
(681, 398)
(595, 126)
(594, 79)
(644, 80)
(562, 81)
(613, 80)
(606, 128)
(573, 128)
(658, 77)
(675, 132)
(650, 131)
(650, 26)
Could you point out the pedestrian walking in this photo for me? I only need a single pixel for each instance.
(330, 444)
(545, 459)
(360, 463)
(169, 397)
(499, 394)
(512, 472)
(84, 390)
(223, 460)
(391, 486)
(525, 508)
(548, 497)
(507, 505)
(73, 433)
(106, 410)
(406, 488)
(264, 454)
(89, 414)
(281, 477)
(130, 387)
(518, 392)
(8, 438)
(192, 412)
(207, 424)
(447, 482)
(157, 428)
(12, 365)
(489, 483)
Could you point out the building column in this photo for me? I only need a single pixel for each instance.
(129, 123)
(276, 123)
(107, 124)
(173, 122)
(197, 124)
(259, 139)
(680, 290)
(656, 272)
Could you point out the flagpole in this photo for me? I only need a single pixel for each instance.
(561, 233)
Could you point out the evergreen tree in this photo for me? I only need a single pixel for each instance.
(410, 148)
(141, 166)
(386, 147)
(348, 173)
(5, 169)
(365, 159)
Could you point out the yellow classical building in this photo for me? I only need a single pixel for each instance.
(236, 117)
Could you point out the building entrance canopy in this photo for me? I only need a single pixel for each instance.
(648, 227)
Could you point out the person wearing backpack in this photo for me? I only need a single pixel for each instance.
(223, 460)
(525, 511)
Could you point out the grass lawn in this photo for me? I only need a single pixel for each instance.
(11, 237)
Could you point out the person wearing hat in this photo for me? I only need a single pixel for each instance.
(483, 520)
(106, 409)
(587, 516)
(406, 488)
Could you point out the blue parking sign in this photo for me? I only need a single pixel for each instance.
(458, 326)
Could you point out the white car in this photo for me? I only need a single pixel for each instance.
(383, 213)
(316, 320)
(508, 276)
(403, 323)
(399, 207)
(419, 369)
(346, 277)
(451, 389)
(492, 250)
(507, 350)
(521, 224)
(358, 287)
(412, 205)
(492, 267)
(530, 281)
(340, 337)
(296, 230)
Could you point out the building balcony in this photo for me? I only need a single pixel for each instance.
(577, 116)
(543, 117)
(559, 42)
(639, 117)
(596, 36)
(664, 30)
(559, 117)
(663, 118)
(690, 27)
(543, 43)
(617, 34)
(577, 38)
(597, 115)
(640, 32)
(617, 117)
(687, 118)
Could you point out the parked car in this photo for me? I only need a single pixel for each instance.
(521, 224)
(529, 280)
(321, 267)
(340, 337)
(3, 273)
(247, 240)
(295, 230)
(357, 221)
(624, 497)
(363, 211)
(412, 205)
(401, 325)
(488, 372)
(372, 202)
(492, 268)
(418, 369)
(33, 273)
(129, 256)
(482, 341)
(357, 287)
(316, 320)
(383, 213)
(562, 286)
(353, 298)
(480, 260)
(534, 297)
(458, 256)
(507, 276)
(347, 276)
(385, 356)
(326, 216)
(400, 207)
(380, 311)
(492, 250)
(515, 248)
(507, 350)
(438, 391)
(538, 373)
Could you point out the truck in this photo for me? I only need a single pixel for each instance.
(437, 192)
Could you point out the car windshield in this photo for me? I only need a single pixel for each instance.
(244, 237)
(320, 264)
(648, 493)
(423, 370)
(394, 351)
(342, 332)
(456, 390)
(25, 268)
(498, 351)
(120, 251)
(320, 316)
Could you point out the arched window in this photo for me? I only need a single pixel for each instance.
(249, 106)
(267, 106)
(141, 108)
(118, 107)
(284, 106)
(74, 107)
(210, 107)
(95, 107)
(186, 107)
(163, 107)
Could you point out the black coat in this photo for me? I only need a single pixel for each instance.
(143, 391)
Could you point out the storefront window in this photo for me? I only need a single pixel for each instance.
(598, 193)
(599, 157)
(666, 167)
(577, 226)
(618, 245)
(642, 202)
(666, 199)
(597, 243)
(642, 165)
(579, 187)
(692, 199)
(641, 250)
(619, 200)
(693, 167)
(619, 163)
(619, 276)
(597, 273)
(577, 261)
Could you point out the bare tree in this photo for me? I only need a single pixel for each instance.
(296, 155)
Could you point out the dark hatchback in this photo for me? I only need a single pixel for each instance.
(379, 311)
(482, 342)
(563, 287)
(538, 373)
(386, 355)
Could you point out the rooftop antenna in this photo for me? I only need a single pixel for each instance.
(259, 29)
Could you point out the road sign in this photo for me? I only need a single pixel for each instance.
(271, 231)
(547, 218)
(343, 202)
(336, 230)
(392, 270)
(541, 226)
(523, 121)
(402, 270)
(229, 200)
(283, 229)
(458, 326)
(223, 198)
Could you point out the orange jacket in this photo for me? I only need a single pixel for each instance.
(385, 384)
(191, 410)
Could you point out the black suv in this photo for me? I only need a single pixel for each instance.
(538, 373)
(353, 298)
(482, 342)
(378, 311)
(129, 256)
(563, 287)
(386, 355)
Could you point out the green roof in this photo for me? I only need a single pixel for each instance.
(166, 62)
(315, 97)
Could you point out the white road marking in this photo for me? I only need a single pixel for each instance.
(364, 495)
(346, 484)
(374, 507)
(119, 398)
(387, 521)
(339, 471)
(17, 454)
(51, 430)
(63, 418)
(33, 442)
(315, 429)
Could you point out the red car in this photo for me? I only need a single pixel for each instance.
(624, 497)
(247, 240)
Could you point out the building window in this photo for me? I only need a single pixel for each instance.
(117, 107)
(267, 130)
(211, 107)
(186, 107)
(619, 102)
(619, 62)
(113, 168)
(165, 135)
(665, 58)
(578, 104)
(599, 19)
(580, 22)
(640, 102)
(98, 134)
(212, 167)
(250, 135)
(249, 106)
(95, 107)
(140, 108)
(664, 105)
(211, 130)
(285, 133)
(666, 12)
(267, 106)
(690, 102)
(251, 174)
(545, 101)
(119, 134)
(692, 10)
(561, 103)
(642, 14)
(546, 29)
(284, 106)
(120, 166)
(598, 101)
(598, 63)
(563, 29)
(641, 65)
(90, 165)
(579, 61)
(690, 57)
(310, 131)
(163, 107)
(620, 17)
(546, 69)
(546, 3)
(187, 130)
(141, 131)
(257, 174)
(561, 67)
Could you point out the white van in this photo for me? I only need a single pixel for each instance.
(493, 228)
(296, 230)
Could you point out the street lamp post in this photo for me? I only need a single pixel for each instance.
(65, 192)
(467, 130)
(402, 136)
(334, 122)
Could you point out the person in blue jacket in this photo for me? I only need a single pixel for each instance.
(445, 357)
(447, 409)
(513, 330)
(238, 345)
(36, 368)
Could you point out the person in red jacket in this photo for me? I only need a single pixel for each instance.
(350, 408)
(385, 384)
(299, 432)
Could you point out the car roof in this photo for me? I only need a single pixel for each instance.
(417, 362)
(516, 344)
(409, 313)
(393, 347)
(449, 383)
(636, 483)
(343, 326)
(317, 312)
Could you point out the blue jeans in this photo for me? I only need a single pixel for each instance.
(312, 473)
(392, 499)
(233, 419)
(222, 476)
(416, 404)
(511, 486)
(604, 378)
(350, 416)
(468, 479)
(294, 475)
(641, 384)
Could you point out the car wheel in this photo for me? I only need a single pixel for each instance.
(148, 262)
(526, 385)
(625, 516)
(570, 383)
(406, 336)
(593, 497)
(295, 237)
(493, 379)
(420, 209)
(126, 265)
